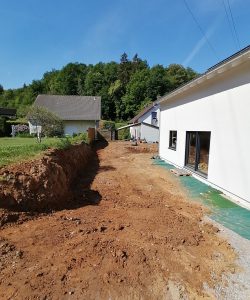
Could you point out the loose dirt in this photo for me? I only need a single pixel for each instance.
(132, 234)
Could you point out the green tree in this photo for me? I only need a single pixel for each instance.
(51, 124)
(125, 69)
(136, 92)
(178, 75)
(158, 83)
(115, 92)
(138, 64)
(125, 87)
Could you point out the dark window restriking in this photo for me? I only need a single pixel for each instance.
(154, 118)
(172, 139)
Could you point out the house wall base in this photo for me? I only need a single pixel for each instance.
(234, 198)
(71, 127)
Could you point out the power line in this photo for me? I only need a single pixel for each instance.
(234, 27)
(200, 28)
(229, 23)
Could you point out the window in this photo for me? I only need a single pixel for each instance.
(154, 118)
(172, 139)
(197, 151)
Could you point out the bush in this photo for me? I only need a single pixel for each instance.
(21, 130)
(20, 121)
(51, 124)
(64, 143)
(110, 125)
(81, 137)
(67, 141)
(5, 128)
(124, 134)
(24, 134)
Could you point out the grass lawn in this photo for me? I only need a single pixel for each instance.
(13, 150)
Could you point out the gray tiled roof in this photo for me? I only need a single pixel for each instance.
(72, 107)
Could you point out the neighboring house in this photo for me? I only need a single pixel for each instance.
(145, 125)
(205, 126)
(79, 113)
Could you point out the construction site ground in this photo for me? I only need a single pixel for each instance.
(134, 234)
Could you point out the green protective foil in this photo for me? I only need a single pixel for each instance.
(221, 209)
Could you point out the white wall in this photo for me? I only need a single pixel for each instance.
(222, 106)
(77, 126)
(146, 118)
(149, 133)
(135, 131)
(33, 129)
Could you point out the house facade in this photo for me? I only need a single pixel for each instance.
(145, 125)
(205, 127)
(79, 113)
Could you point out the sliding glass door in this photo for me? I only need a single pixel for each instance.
(197, 151)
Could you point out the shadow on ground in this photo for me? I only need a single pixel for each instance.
(81, 194)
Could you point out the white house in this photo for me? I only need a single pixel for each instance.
(79, 113)
(205, 126)
(145, 125)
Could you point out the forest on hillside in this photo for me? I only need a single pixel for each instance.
(125, 87)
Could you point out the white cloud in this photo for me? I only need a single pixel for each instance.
(198, 46)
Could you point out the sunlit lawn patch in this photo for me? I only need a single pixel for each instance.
(13, 150)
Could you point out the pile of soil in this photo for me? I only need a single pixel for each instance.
(44, 183)
(143, 148)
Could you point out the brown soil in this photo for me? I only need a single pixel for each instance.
(132, 235)
(44, 183)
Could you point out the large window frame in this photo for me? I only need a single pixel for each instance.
(172, 140)
(195, 167)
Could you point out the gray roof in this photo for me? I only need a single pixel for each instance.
(72, 107)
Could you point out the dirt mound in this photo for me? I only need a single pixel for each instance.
(44, 183)
(143, 148)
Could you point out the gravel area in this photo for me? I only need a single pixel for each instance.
(235, 286)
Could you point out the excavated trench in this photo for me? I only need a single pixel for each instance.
(51, 182)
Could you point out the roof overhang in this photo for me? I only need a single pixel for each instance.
(138, 124)
(213, 72)
(128, 126)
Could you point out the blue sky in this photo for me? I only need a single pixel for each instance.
(39, 35)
